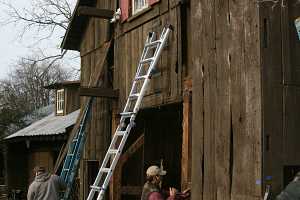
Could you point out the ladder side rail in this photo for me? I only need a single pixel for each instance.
(153, 64)
(75, 147)
(75, 168)
(145, 52)
(67, 162)
(115, 149)
(104, 163)
(149, 39)
(115, 161)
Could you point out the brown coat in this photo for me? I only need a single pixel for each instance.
(45, 187)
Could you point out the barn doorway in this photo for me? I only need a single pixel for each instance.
(157, 137)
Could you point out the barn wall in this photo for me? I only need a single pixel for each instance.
(99, 127)
(166, 86)
(129, 37)
(72, 99)
(280, 58)
(226, 140)
(16, 162)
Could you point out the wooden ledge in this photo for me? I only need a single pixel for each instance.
(98, 92)
(95, 12)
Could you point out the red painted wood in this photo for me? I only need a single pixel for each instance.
(151, 2)
(124, 9)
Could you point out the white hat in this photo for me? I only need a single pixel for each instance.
(155, 170)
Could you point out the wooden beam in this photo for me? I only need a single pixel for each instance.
(98, 92)
(131, 190)
(95, 80)
(187, 135)
(95, 12)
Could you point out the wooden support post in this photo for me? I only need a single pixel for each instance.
(115, 183)
(98, 92)
(95, 12)
(187, 136)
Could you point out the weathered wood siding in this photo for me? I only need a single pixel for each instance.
(166, 85)
(280, 63)
(99, 127)
(72, 99)
(226, 100)
(39, 158)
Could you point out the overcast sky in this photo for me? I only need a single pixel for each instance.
(13, 47)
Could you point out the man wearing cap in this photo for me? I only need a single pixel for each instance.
(292, 190)
(151, 190)
(45, 186)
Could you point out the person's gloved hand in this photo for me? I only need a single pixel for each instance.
(173, 191)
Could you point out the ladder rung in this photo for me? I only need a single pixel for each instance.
(66, 169)
(140, 77)
(134, 96)
(153, 43)
(105, 170)
(120, 133)
(126, 114)
(70, 154)
(147, 60)
(96, 188)
(113, 151)
(75, 140)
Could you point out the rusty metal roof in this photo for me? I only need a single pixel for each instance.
(50, 125)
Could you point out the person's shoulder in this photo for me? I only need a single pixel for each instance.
(33, 185)
(55, 177)
(154, 196)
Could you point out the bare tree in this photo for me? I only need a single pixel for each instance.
(49, 19)
(23, 91)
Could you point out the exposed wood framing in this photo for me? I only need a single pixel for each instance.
(117, 177)
(186, 138)
(95, 12)
(94, 81)
(226, 100)
(99, 92)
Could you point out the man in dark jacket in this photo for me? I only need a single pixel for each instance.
(152, 187)
(45, 186)
(292, 190)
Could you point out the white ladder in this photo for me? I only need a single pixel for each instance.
(149, 59)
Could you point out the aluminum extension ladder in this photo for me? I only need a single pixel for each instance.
(149, 59)
(73, 156)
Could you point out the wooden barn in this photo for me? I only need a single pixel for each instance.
(221, 111)
(40, 143)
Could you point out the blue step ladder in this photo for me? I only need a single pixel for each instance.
(75, 149)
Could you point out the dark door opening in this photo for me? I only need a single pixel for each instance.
(162, 139)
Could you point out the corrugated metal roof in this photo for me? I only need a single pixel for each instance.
(50, 125)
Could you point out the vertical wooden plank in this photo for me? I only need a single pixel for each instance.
(93, 121)
(223, 110)
(253, 118)
(271, 54)
(186, 136)
(173, 67)
(164, 6)
(237, 98)
(292, 46)
(291, 96)
(210, 70)
(197, 30)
